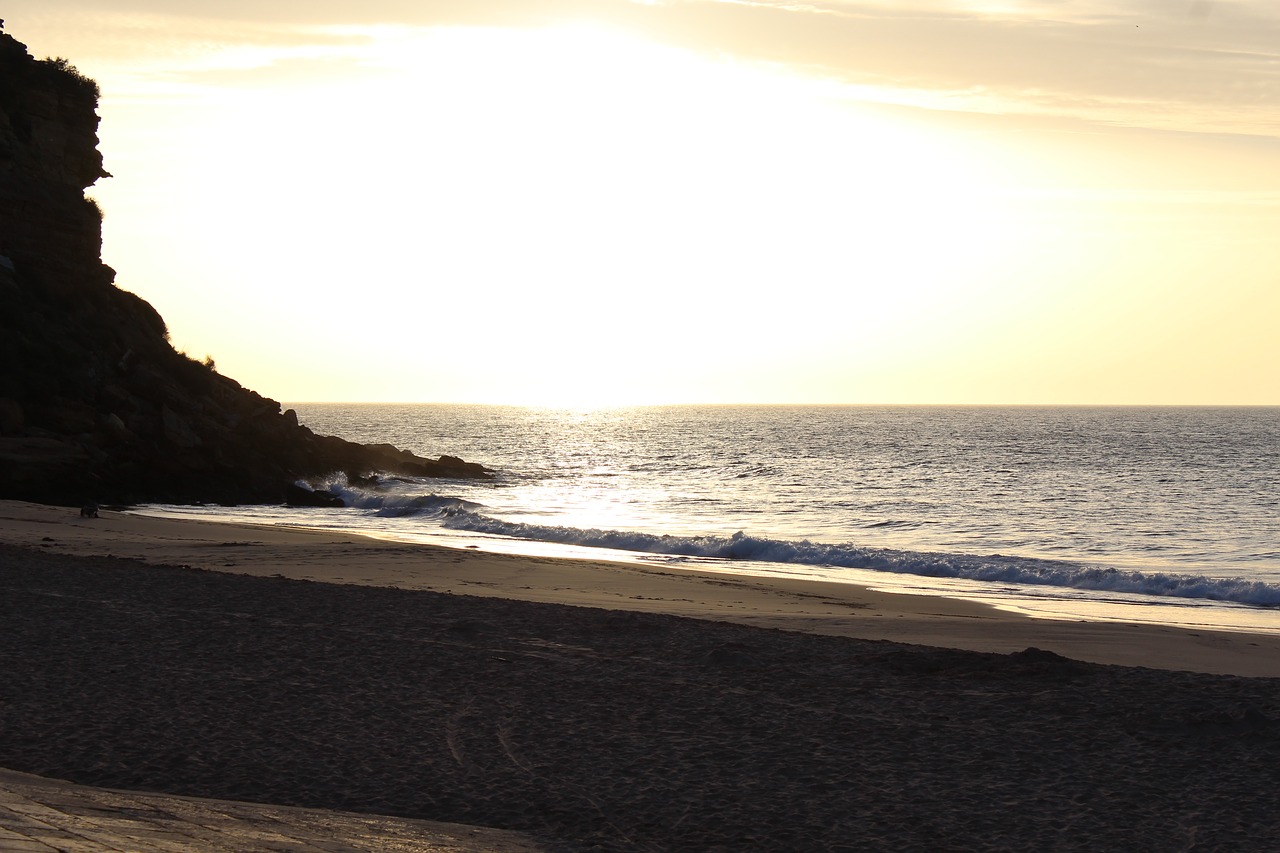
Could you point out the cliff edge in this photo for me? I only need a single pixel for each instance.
(95, 404)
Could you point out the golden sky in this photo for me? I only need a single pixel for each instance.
(589, 202)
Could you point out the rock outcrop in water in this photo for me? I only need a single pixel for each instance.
(95, 404)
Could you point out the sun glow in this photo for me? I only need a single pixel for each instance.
(611, 213)
(572, 215)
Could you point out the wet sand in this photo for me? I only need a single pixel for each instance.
(600, 727)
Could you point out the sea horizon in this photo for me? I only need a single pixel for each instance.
(712, 405)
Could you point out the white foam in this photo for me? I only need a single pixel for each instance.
(996, 568)
(379, 497)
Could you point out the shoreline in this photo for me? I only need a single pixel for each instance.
(810, 606)
(1199, 612)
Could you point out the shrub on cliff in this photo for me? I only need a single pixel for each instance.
(64, 67)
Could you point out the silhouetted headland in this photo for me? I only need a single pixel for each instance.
(95, 403)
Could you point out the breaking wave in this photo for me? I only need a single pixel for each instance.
(392, 498)
(996, 568)
(377, 498)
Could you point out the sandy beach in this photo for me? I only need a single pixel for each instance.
(796, 605)
(321, 670)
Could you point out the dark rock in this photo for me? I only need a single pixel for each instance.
(114, 429)
(461, 469)
(93, 398)
(177, 430)
(295, 495)
(11, 417)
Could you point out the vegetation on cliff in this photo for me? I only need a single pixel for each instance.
(95, 404)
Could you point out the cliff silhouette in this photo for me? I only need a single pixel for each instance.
(95, 403)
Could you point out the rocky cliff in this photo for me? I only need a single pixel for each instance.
(95, 404)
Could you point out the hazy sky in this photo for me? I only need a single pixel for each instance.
(601, 201)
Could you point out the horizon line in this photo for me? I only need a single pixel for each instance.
(782, 404)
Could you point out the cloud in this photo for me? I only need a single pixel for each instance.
(1155, 64)
(1174, 64)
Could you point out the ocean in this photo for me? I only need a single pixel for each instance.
(1151, 514)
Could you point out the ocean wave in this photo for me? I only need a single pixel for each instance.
(996, 568)
(378, 496)
(898, 524)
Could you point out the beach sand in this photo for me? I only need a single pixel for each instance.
(616, 725)
(797, 605)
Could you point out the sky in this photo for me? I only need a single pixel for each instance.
(606, 202)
